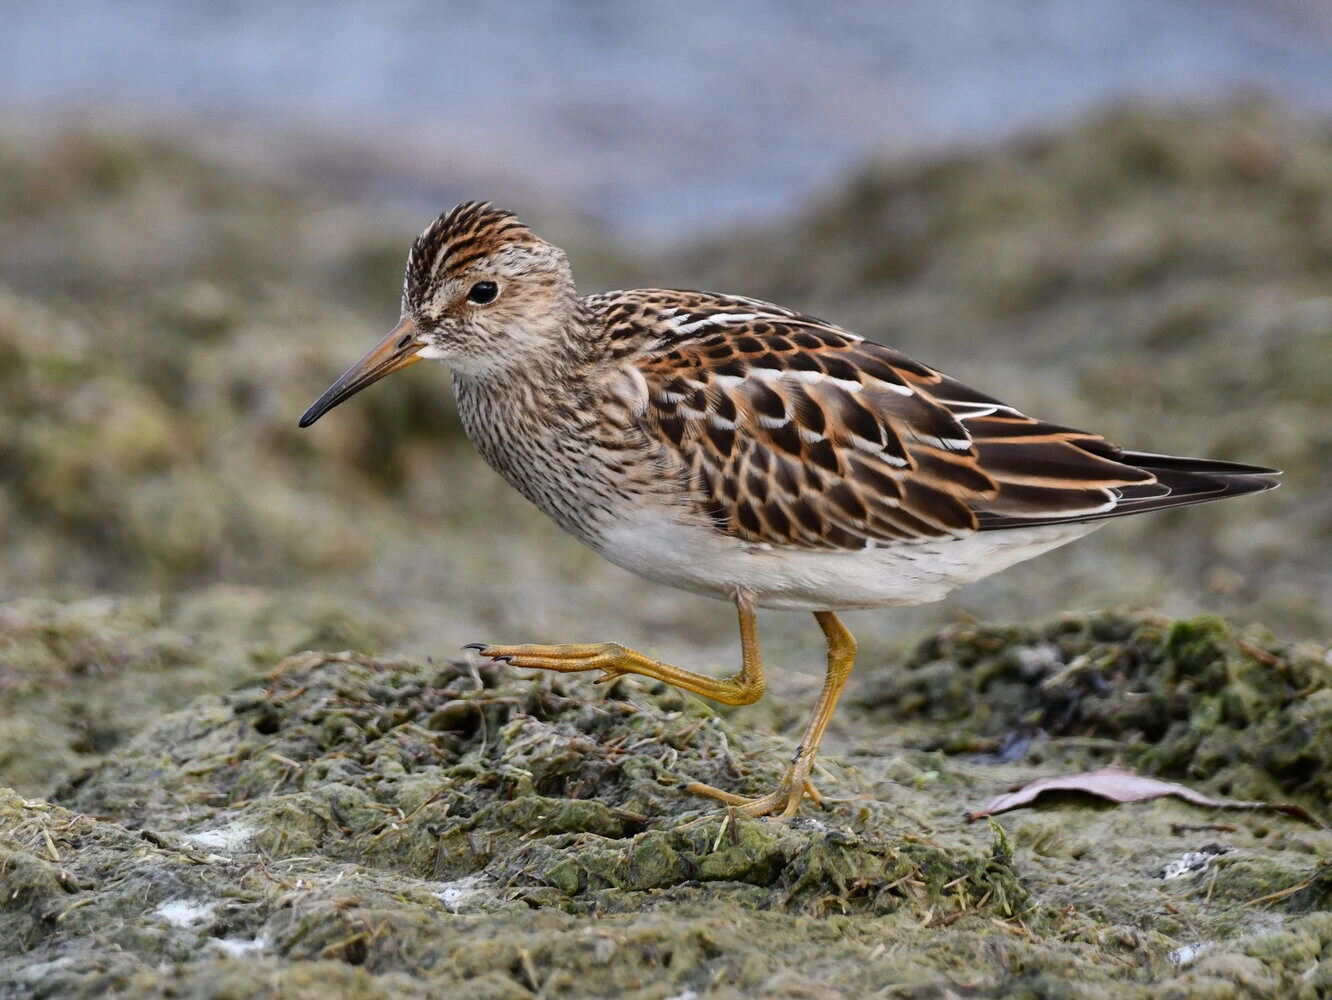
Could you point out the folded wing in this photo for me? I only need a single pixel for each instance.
(792, 432)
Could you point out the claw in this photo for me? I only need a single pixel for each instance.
(506, 658)
(475, 645)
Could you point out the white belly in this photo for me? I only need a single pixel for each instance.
(656, 546)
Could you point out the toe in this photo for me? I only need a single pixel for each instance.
(496, 654)
(781, 802)
(813, 794)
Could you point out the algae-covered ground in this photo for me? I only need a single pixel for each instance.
(390, 827)
(244, 756)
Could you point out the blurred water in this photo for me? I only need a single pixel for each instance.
(655, 116)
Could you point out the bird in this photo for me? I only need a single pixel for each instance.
(745, 451)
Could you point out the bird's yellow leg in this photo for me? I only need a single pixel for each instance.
(795, 784)
(614, 660)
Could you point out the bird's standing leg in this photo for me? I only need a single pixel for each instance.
(795, 784)
(614, 660)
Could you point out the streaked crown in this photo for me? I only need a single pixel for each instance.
(462, 236)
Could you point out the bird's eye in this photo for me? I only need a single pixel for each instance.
(483, 292)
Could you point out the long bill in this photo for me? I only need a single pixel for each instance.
(395, 352)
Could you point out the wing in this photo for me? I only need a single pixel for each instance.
(789, 431)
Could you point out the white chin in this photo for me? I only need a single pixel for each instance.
(431, 353)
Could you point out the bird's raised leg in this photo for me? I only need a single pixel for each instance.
(795, 784)
(614, 660)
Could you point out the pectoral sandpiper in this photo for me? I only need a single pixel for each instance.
(745, 451)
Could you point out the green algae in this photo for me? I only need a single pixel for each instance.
(80, 678)
(1247, 717)
(448, 772)
(352, 810)
(393, 827)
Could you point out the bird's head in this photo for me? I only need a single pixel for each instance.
(481, 293)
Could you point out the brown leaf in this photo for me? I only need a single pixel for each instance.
(1120, 785)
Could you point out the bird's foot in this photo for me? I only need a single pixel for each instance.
(780, 804)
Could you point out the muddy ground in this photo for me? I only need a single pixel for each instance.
(199, 805)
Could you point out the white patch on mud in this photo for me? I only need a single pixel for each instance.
(1183, 957)
(237, 948)
(184, 912)
(458, 894)
(231, 837)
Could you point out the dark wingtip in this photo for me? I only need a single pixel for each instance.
(1206, 466)
(1179, 482)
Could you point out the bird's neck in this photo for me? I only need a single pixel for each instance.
(531, 397)
(534, 429)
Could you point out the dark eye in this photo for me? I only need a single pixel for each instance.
(483, 292)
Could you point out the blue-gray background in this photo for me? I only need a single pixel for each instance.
(663, 117)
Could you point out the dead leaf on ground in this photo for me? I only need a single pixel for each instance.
(1117, 784)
